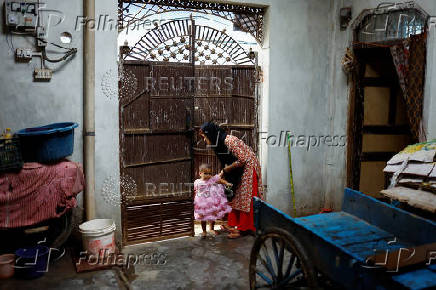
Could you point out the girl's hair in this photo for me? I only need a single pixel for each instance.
(204, 166)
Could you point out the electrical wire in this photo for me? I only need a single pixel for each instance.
(69, 53)
(54, 44)
(29, 33)
(9, 44)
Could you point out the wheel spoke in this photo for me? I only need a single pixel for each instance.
(280, 260)
(289, 278)
(264, 277)
(291, 268)
(268, 266)
(290, 265)
(268, 260)
(275, 250)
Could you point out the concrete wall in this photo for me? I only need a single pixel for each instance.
(106, 113)
(295, 60)
(335, 171)
(24, 103)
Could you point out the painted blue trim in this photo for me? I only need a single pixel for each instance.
(404, 225)
(352, 191)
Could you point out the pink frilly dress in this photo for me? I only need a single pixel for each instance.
(210, 202)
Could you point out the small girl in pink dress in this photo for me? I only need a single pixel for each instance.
(210, 202)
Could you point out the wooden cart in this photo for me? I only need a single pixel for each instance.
(343, 249)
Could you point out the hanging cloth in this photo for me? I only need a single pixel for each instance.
(409, 58)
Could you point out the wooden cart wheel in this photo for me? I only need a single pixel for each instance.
(278, 261)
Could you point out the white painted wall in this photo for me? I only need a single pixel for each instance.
(295, 60)
(24, 103)
(335, 170)
(106, 112)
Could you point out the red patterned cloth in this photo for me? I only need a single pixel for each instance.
(244, 221)
(247, 158)
(38, 193)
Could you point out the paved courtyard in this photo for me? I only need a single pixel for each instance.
(185, 263)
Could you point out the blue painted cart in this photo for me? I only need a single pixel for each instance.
(302, 252)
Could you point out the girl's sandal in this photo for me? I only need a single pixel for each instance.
(234, 235)
(213, 233)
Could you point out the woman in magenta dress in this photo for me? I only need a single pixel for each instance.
(237, 159)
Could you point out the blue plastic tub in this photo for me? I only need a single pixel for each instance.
(32, 262)
(47, 144)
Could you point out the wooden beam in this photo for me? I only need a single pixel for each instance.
(132, 241)
(149, 131)
(376, 156)
(144, 199)
(158, 162)
(240, 126)
(386, 130)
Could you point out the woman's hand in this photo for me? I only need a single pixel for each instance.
(232, 166)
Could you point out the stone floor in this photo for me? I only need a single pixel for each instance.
(184, 263)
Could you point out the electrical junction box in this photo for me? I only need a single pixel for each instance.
(41, 36)
(24, 54)
(21, 15)
(43, 74)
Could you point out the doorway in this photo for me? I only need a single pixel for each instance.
(381, 118)
(186, 74)
(386, 100)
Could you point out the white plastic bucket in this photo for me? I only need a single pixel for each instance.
(98, 236)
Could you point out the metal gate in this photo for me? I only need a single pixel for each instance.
(160, 149)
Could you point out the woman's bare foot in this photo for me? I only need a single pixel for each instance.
(228, 229)
(203, 235)
(214, 233)
(234, 234)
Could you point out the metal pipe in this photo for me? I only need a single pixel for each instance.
(89, 109)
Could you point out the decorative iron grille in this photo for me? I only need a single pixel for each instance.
(391, 22)
(171, 42)
(246, 18)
